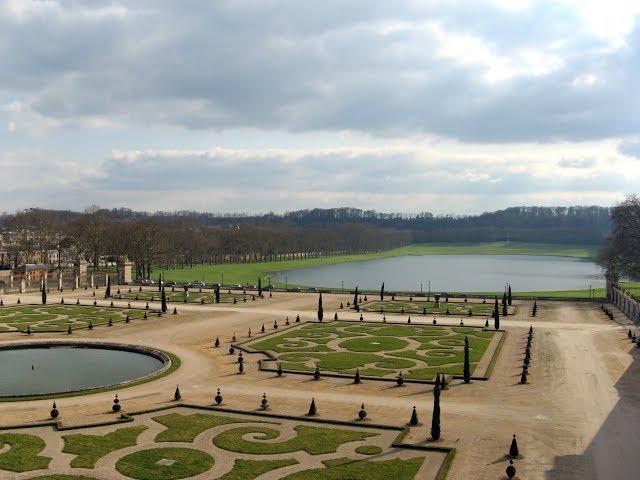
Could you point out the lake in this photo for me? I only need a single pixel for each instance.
(459, 273)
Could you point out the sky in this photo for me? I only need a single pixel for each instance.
(254, 106)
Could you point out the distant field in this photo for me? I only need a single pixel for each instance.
(244, 273)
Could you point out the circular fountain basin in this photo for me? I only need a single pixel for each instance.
(46, 368)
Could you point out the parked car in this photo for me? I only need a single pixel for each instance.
(198, 284)
(147, 281)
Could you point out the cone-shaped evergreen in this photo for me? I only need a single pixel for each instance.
(382, 292)
(466, 373)
(316, 373)
(496, 319)
(44, 294)
(264, 403)
(218, 398)
(259, 287)
(356, 378)
(279, 370)
(320, 310)
(217, 291)
(28, 329)
(241, 368)
(435, 419)
(535, 309)
(176, 394)
(513, 449)
(399, 379)
(523, 377)
(355, 299)
(107, 292)
(54, 411)
(298, 318)
(163, 301)
(414, 418)
(486, 323)
(335, 316)
(69, 330)
(175, 310)
(312, 408)
(509, 299)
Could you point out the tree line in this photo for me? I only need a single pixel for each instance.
(185, 238)
(101, 236)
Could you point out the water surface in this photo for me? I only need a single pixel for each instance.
(66, 368)
(460, 273)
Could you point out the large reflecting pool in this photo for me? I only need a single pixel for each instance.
(41, 369)
(461, 273)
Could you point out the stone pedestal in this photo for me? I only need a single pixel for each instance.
(92, 282)
(23, 285)
(77, 281)
(59, 281)
(125, 271)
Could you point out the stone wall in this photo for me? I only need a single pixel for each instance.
(625, 303)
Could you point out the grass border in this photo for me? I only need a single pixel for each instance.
(174, 364)
(248, 349)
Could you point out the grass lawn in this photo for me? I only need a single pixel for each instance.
(179, 463)
(57, 318)
(91, 448)
(250, 469)
(185, 428)
(345, 468)
(378, 350)
(244, 273)
(62, 477)
(22, 455)
(311, 439)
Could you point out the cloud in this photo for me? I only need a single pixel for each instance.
(468, 71)
(630, 147)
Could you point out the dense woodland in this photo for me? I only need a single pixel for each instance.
(185, 238)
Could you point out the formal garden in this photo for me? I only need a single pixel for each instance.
(379, 350)
(180, 296)
(422, 306)
(63, 318)
(185, 442)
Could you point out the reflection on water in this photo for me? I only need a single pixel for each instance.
(470, 273)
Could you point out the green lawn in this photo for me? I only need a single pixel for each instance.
(244, 273)
(57, 318)
(378, 350)
(348, 469)
(313, 440)
(143, 465)
(91, 448)
(22, 455)
(185, 428)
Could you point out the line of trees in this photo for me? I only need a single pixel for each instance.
(101, 236)
(187, 238)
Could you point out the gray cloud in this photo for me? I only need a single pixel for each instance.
(631, 147)
(375, 67)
